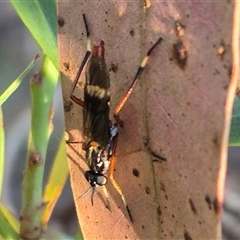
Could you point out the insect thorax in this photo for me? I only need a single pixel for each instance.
(97, 158)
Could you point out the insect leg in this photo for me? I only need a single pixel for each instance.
(87, 54)
(117, 187)
(108, 205)
(135, 80)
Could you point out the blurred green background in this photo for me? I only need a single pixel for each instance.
(17, 49)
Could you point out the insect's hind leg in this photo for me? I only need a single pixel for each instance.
(87, 54)
(135, 80)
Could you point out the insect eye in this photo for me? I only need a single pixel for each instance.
(95, 179)
(101, 180)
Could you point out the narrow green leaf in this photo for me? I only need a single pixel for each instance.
(2, 150)
(18, 81)
(9, 227)
(56, 181)
(40, 17)
(11, 218)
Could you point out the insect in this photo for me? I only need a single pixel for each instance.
(100, 134)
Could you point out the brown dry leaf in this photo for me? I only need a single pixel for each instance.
(178, 106)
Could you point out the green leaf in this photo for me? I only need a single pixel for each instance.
(3, 98)
(235, 126)
(57, 179)
(18, 81)
(9, 227)
(2, 150)
(40, 17)
(79, 235)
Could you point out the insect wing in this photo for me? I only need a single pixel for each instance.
(96, 102)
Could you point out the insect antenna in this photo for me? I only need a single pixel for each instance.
(154, 45)
(85, 59)
(86, 25)
(135, 80)
(85, 193)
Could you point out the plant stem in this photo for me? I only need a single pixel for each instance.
(42, 91)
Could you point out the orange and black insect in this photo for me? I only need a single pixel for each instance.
(100, 134)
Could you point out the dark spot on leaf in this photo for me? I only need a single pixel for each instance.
(143, 226)
(180, 53)
(166, 196)
(216, 72)
(113, 67)
(192, 206)
(216, 206)
(61, 22)
(157, 157)
(162, 187)
(187, 236)
(229, 71)
(68, 105)
(159, 211)
(208, 201)
(216, 140)
(132, 32)
(173, 216)
(135, 172)
(148, 190)
(66, 66)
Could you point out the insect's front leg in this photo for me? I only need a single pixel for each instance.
(74, 84)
